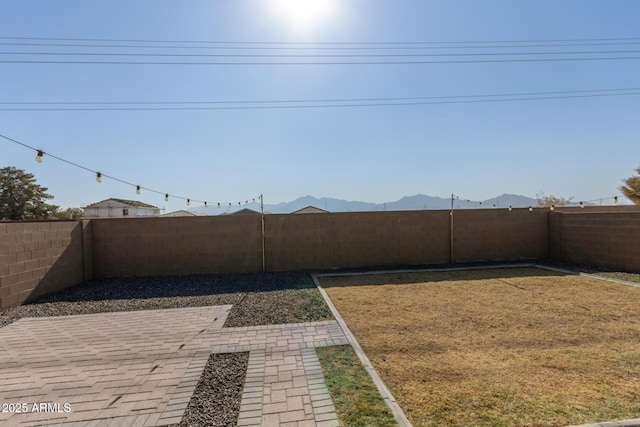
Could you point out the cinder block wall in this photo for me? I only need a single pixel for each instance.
(606, 239)
(356, 239)
(500, 234)
(176, 246)
(38, 258)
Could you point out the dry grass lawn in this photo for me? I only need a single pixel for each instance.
(498, 347)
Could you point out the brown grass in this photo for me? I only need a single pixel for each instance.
(499, 347)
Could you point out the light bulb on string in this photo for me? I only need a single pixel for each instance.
(510, 208)
(615, 199)
(205, 205)
(98, 176)
(218, 205)
(582, 205)
(552, 208)
(530, 209)
(494, 206)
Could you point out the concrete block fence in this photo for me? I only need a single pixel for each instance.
(37, 258)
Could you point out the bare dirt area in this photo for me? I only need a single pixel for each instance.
(498, 347)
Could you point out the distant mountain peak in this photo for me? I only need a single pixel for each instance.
(406, 203)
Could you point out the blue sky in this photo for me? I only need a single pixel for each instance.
(580, 147)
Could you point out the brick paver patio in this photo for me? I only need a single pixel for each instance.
(140, 368)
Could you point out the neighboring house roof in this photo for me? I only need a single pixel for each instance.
(309, 209)
(183, 212)
(245, 211)
(132, 203)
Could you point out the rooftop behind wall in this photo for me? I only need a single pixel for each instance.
(42, 257)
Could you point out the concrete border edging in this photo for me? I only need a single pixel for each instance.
(635, 422)
(382, 388)
(589, 275)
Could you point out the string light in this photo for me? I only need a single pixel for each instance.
(510, 208)
(99, 175)
(205, 205)
(479, 203)
(188, 202)
(581, 204)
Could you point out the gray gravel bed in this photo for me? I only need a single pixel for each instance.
(216, 399)
(257, 299)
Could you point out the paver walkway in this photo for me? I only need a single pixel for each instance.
(140, 368)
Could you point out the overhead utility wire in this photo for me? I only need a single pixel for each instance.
(316, 47)
(101, 175)
(365, 102)
(318, 43)
(479, 61)
(329, 99)
(253, 55)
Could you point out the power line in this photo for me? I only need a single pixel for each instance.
(316, 58)
(333, 99)
(479, 61)
(411, 42)
(279, 107)
(317, 47)
(402, 55)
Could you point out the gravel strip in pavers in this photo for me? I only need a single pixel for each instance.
(216, 399)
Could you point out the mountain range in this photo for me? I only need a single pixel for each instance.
(407, 203)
